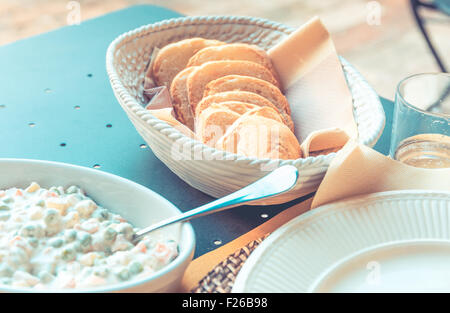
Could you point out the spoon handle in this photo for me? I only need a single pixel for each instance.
(277, 182)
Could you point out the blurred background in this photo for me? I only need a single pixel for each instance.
(380, 38)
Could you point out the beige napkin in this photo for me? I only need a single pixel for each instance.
(160, 107)
(358, 170)
(315, 86)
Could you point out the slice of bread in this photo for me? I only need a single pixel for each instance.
(235, 106)
(210, 71)
(213, 123)
(180, 101)
(266, 112)
(174, 57)
(242, 96)
(255, 85)
(233, 51)
(261, 137)
(215, 119)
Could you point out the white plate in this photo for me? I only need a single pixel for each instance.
(395, 241)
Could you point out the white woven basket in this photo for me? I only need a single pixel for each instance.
(215, 172)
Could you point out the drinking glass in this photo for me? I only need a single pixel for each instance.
(421, 122)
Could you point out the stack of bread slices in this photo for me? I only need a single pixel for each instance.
(229, 95)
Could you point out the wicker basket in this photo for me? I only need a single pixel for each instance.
(212, 171)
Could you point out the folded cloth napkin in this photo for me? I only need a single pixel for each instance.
(358, 170)
(355, 170)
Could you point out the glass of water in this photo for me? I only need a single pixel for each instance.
(421, 122)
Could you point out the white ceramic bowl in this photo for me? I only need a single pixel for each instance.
(212, 171)
(139, 205)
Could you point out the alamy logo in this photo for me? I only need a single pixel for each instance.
(374, 276)
(373, 17)
(74, 15)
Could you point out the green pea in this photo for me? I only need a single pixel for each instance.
(4, 207)
(70, 235)
(123, 274)
(5, 281)
(68, 254)
(85, 238)
(56, 242)
(8, 199)
(4, 216)
(109, 234)
(51, 217)
(136, 267)
(72, 189)
(45, 276)
(28, 230)
(108, 251)
(127, 230)
(55, 190)
(101, 271)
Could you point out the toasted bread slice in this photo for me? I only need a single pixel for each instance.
(257, 136)
(233, 51)
(180, 101)
(266, 112)
(235, 106)
(213, 123)
(255, 85)
(174, 57)
(242, 96)
(210, 71)
(215, 119)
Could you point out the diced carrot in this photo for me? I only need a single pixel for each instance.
(163, 256)
(142, 247)
(15, 239)
(53, 194)
(19, 192)
(2, 193)
(160, 247)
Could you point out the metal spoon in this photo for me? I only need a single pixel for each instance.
(277, 182)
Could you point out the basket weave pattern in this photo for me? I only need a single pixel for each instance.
(221, 278)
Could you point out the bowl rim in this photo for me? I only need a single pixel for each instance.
(130, 103)
(187, 231)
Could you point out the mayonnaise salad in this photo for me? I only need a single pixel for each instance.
(60, 238)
